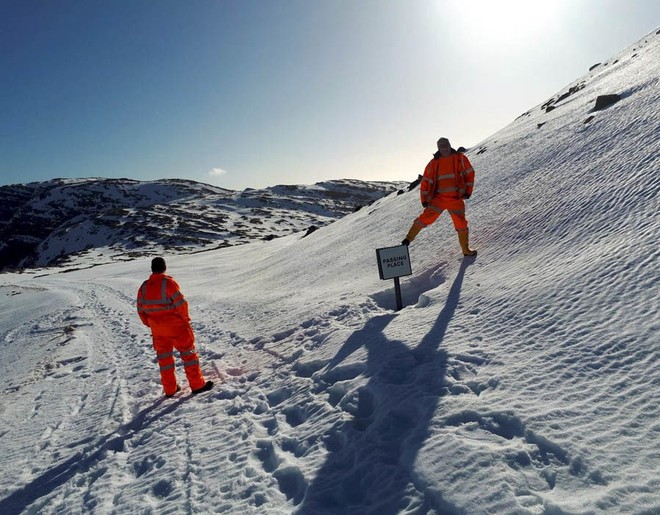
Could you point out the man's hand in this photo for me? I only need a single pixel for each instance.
(425, 205)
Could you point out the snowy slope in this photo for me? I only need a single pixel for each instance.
(522, 381)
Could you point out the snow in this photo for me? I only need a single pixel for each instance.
(524, 380)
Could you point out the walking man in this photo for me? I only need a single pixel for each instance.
(163, 308)
(447, 182)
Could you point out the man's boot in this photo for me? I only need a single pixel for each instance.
(463, 238)
(412, 233)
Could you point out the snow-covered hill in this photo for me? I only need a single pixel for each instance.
(93, 221)
(524, 381)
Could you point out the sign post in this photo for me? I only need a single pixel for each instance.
(394, 262)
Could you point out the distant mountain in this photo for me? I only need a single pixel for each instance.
(103, 220)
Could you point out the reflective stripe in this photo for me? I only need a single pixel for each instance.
(163, 294)
(190, 363)
(426, 179)
(457, 211)
(180, 303)
(448, 176)
(436, 209)
(187, 352)
(447, 190)
(151, 302)
(165, 355)
(153, 310)
(420, 223)
(147, 302)
(167, 367)
(165, 303)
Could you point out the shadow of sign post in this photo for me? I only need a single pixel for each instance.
(394, 262)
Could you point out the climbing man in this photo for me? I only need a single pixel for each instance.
(447, 182)
(163, 308)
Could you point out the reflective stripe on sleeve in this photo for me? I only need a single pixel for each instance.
(181, 302)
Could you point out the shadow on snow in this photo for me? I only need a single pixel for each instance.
(83, 461)
(370, 466)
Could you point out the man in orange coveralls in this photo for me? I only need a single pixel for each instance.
(164, 310)
(448, 180)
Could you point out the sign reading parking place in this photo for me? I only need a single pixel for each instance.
(393, 262)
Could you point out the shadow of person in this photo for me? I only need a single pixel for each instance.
(84, 460)
(370, 464)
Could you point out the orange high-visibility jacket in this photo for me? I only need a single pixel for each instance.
(162, 306)
(449, 177)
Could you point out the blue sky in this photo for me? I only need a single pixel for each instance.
(252, 93)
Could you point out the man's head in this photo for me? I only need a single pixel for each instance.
(158, 265)
(444, 147)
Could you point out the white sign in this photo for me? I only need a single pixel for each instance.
(393, 262)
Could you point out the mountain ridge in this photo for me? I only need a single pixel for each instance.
(104, 220)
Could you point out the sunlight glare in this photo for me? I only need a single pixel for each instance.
(496, 25)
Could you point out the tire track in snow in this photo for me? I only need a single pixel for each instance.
(59, 380)
(56, 381)
(97, 462)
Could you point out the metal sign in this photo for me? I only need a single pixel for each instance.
(393, 262)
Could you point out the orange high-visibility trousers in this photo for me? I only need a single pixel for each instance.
(454, 206)
(185, 345)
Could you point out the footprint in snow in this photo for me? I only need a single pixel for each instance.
(530, 452)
